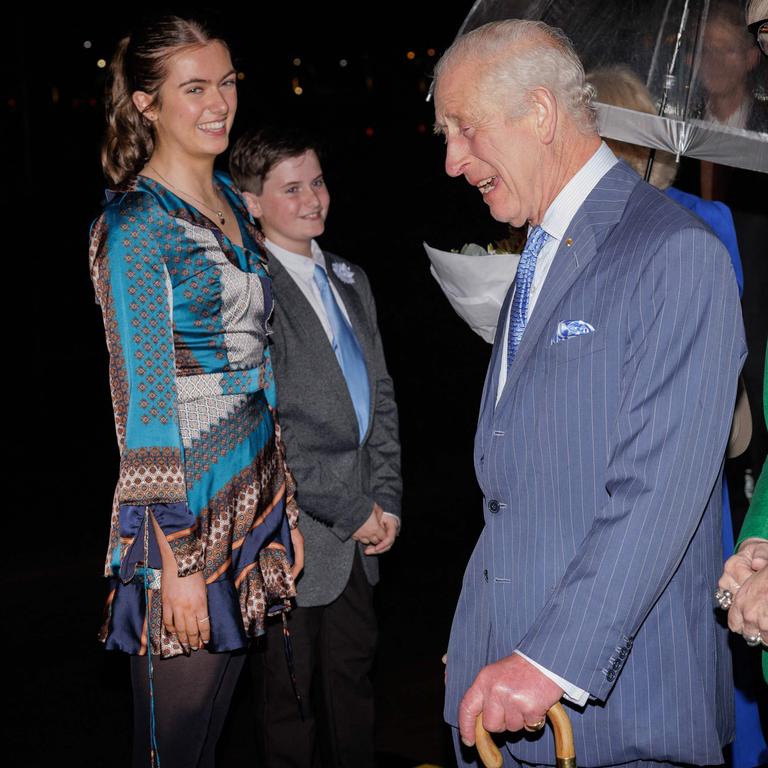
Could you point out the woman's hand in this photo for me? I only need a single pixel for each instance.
(745, 575)
(748, 615)
(185, 608)
(751, 556)
(297, 539)
(185, 600)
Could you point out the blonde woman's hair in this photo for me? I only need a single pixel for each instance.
(621, 87)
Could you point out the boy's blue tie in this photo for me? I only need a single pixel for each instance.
(518, 315)
(348, 352)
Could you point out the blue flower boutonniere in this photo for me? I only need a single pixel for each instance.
(343, 272)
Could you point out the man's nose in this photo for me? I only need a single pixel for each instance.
(455, 157)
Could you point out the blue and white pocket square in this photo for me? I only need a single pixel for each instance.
(568, 328)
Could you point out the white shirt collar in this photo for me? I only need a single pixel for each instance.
(563, 208)
(295, 262)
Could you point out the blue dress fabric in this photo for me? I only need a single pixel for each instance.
(186, 314)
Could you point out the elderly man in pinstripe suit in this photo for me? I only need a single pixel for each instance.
(602, 427)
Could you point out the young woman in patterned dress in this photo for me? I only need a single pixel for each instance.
(203, 532)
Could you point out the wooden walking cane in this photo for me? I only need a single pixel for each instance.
(565, 754)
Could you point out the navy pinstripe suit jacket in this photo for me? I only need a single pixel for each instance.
(600, 468)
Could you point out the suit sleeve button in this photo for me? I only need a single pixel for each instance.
(610, 675)
(493, 506)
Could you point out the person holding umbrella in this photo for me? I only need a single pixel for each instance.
(601, 430)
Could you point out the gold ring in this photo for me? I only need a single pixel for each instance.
(533, 727)
(205, 618)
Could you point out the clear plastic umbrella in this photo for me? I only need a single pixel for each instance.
(704, 71)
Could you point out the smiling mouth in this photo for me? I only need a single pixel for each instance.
(214, 127)
(486, 185)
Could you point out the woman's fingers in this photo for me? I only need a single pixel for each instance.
(204, 625)
(184, 604)
(193, 633)
(168, 623)
(181, 633)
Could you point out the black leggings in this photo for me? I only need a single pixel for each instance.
(192, 696)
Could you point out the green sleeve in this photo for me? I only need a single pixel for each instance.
(756, 521)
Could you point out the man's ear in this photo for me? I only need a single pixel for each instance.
(144, 103)
(253, 204)
(545, 111)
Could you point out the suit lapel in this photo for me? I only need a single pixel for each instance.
(289, 294)
(317, 344)
(594, 220)
(353, 304)
(488, 402)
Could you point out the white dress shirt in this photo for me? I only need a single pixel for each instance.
(302, 272)
(556, 222)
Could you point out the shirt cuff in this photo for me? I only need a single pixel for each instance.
(396, 519)
(570, 691)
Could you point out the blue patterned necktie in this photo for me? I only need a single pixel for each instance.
(348, 352)
(518, 315)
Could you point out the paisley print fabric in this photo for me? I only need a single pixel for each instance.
(186, 315)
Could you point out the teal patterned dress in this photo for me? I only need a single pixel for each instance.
(186, 314)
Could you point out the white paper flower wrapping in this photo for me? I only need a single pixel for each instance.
(475, 283)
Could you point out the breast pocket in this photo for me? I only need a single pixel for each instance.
(575, 347)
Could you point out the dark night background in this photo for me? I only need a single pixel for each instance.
(71, 700)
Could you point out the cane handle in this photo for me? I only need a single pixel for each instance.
(565, 754)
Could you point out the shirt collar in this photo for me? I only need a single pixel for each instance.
(563, 208)
(295, 262)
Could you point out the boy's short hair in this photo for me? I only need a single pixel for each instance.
(257, 152)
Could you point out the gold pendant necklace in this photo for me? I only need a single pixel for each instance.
(219, 213)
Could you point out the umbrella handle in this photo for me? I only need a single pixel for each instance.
(565, 754)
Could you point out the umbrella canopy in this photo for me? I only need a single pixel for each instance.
(704, 71)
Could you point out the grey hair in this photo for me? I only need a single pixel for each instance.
(514, 65)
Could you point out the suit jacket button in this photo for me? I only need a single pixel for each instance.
(610, 675)
(493, 506)
(485, 575)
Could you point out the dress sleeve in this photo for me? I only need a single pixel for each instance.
(133, 288)
(756, 521)
(270, 391)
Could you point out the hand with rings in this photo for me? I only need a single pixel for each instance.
(184, 598)
(743, 591)
(724, 598)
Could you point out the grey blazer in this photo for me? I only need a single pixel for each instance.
(338, 479)
(601, 471)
